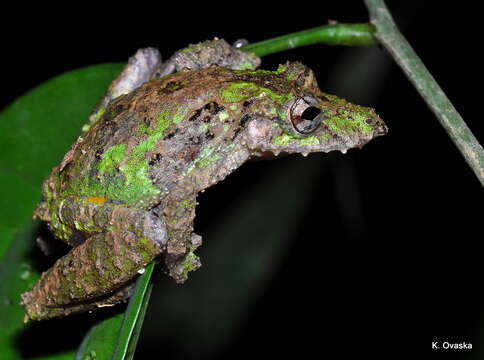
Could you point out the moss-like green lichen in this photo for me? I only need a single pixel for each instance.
(206, 158)
(173, 86)
(98, 114)
(261, 72)
(281, 69)
(145, 249)
(240, 91)
(347, 122)
(191, 262)
(203, 127)
(288, 139)
(223, 116)
(180, 115)
(310, 140)
(111, 159)
(61, 230)
(188, 203)
(246, 66)
(283, 140)
(348, 118)
(137, 185)
(124, 174)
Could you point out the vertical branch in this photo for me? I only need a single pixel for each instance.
(389, 36)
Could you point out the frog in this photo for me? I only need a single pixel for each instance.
(125, 194)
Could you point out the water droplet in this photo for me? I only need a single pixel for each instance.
(239, 43)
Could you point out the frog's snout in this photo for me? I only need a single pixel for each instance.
(381, 129)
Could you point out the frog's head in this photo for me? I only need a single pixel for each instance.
(305, 120)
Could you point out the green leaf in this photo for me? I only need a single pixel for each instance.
(115, 338)
(100, 341)
(134, 316)
(35, 133)
(37, 130)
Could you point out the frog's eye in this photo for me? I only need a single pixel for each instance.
(305, 115)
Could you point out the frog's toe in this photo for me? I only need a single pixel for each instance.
(179, 268)
(182, 259)
(104, 263)
(196, 241)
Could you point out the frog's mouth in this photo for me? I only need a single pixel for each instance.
(267, 155)
(285, 144)
(266, 141)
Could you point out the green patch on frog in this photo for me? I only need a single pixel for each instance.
(223, 116)
(112, 158)
(288, 139)
(93, 118)
(261, 72)
(190, 263)
(240, 91)
(246, 66)
(135, 184)
(204, 127)
(348, 122)
(206, 158)
(173, 86)
(188, 203)
(179, 115)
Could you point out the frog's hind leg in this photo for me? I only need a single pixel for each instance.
(141, 67)
(103, 264)
(120, 242)
(35, 312)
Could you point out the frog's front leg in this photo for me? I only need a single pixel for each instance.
(179, 213)
(141, 67)
(209, 53)
(120, 242)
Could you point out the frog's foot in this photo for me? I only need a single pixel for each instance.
(89, 273)
(216, 52)
(141, 67)
(180, 265)
(119, 242)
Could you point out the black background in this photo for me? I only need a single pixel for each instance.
(405, 267)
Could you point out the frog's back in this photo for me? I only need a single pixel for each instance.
(146, 139)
